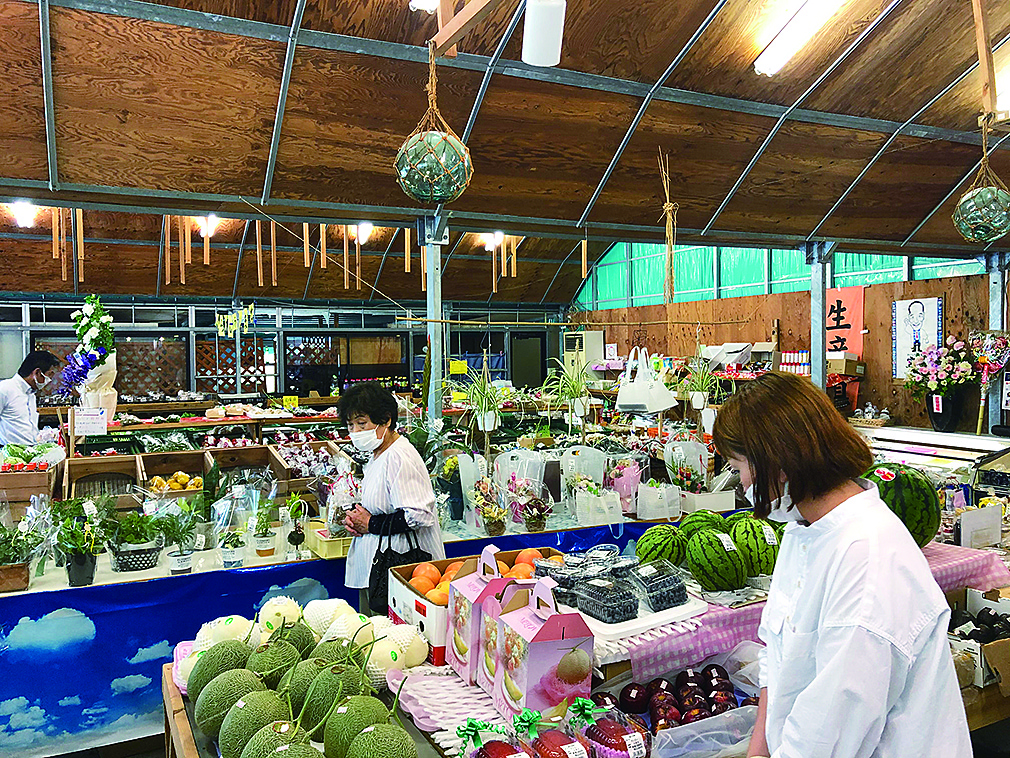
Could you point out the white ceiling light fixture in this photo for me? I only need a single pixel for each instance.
(499, 237)
(428, 6)
(803, 25)
(24, 213)
(488, 241)
(364, 231)
(543, 31)
(207, 224)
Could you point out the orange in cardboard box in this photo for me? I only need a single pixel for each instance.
(438, 597)
(422, 584)
(429, 572)
(529, 555)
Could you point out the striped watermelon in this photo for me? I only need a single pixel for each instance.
(715, 561)
(693, 523)
(661, 541)
(759, 544)
(911, 495)
(732, 519)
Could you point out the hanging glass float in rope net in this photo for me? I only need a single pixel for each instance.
(433, 165)
(983, 212)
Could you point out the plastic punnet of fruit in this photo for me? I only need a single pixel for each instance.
(610, 733)
(488, 741)
(548, 739)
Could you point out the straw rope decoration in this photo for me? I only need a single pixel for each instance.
(433, 165)
(670, 214)
(983, 212)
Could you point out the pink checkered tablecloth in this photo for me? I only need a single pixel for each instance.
(721, 629)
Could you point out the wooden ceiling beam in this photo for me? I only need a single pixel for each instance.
(866, 32)
(282, 99)
(446, 10)
(452, 30)
(982, 37)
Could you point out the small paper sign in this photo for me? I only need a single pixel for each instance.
(937, 403)
(90, 421)
(89, 508)
(458, 367)
(290, 402)
(283, 514)
(200, 541)
(727, 542)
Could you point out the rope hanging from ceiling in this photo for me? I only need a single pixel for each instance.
(670, 214)
(983, 212)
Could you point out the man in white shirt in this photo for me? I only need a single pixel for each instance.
(19, 415)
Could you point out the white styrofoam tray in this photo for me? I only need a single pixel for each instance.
(646, 620)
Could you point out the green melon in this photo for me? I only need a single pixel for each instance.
(738, 516)
(266, 741)
(661, 541)
(331, 685)
(911, 495)
(250, 714)
(337, 651)
(220, 694)
(382, 741)
(297, 681)
(298, 635)
(272, 660)
(758, 543)
(715, 561)
(693, 523)
(346, 722)
(226, 655)
(297, 750)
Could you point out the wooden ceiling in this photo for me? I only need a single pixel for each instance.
(171, 107)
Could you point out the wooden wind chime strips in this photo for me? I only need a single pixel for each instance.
(494, 271)
(504, 258)
(56, 234)
(585, 258)
(322, 246)
(259, 253)
(206, 245)
(168, 249)
(357, 261)
(347, 260)
(406, 250)
(182, 250)
(188, 231)
(80, 245)
(273, 253)
(305, 246)
(63, 246)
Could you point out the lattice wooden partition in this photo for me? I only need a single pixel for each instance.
(144, 364)
(215, 365)
(315, 350)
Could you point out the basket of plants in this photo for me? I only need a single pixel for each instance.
(136, 543)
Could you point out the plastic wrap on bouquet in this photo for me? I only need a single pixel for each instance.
(658, 501)
(580, 466)
(597, 509)
(97, 391)
(624, 474)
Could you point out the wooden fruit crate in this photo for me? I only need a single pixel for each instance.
(302, 484)
(127, 465)
(192, 462)
(19, 486)
(254, 456)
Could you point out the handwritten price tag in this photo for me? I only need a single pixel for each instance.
(937, 403)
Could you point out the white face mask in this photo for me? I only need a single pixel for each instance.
(45, 381)
(778, 507)
(366, 441)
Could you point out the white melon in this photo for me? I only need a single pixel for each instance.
(319, 614)
(185, 666)
(412, 643)
(277, 611)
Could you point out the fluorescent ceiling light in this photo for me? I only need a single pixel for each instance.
(24, 213)
(543, 32)
(364, 231)
(428, 6)
(803, 25)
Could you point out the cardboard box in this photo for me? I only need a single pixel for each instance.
(534, 641)
(982, 528)
(491, 610)
(408, 606)
(720, 502)
(475, 580)
(992, 660)
(847, 367)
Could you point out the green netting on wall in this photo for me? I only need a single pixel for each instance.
(648, 274)
(741, 271)
(694, 273)
(853, 269)
(790, 272)
(936, 268)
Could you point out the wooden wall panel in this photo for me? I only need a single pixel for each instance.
(805, 169)
(141, 104)
(898, 192)
(346, 118)
(707, 149)
(22, 112)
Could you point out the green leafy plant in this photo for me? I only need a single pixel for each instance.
(80, 536)
(569, 385)
(179, 528)
(232, 540)
(264, 521)
(17, 546)
(135, 528)
(295, 505)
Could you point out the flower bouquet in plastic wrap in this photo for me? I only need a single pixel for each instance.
(991, 351)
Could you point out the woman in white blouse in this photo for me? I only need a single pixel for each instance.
(396, 492)
(856, 663)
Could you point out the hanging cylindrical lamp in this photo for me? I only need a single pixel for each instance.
(543, 31)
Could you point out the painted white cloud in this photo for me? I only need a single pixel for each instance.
(14, 705)
(72, 700)
(53, 633)
(30, 718)
(155, 652)
(94, 711)
(129, 683)
(21, 739)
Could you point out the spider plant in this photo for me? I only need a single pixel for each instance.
(569, 385)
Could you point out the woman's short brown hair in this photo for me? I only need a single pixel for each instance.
(784, 425)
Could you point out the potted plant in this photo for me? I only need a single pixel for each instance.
(296, 510)
(233, 549)
(571, 386)
(81, 542)
(17, 548)
(486, 504)
(700, 383)
(534, 513)
(263, 533)
(449, 482)
(134, 542)
(484, 400)
(179, 529)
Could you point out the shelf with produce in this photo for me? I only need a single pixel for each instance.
(194, 406)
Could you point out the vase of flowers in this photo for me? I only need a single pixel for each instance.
(535, 512)
(91, 368)
(939, 375)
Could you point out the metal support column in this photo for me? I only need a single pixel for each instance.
(191, 338)
(429, 234)
(996, 264)
(819, 257)
(238, 349)
(716, 274)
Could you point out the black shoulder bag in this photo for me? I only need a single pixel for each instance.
(384, 560)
